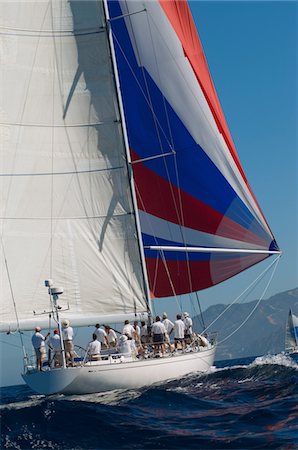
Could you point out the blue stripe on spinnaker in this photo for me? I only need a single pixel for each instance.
(198, 176)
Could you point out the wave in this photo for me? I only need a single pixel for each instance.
(250, 405)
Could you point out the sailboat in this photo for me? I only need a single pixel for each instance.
(120, 181)
(292, 334)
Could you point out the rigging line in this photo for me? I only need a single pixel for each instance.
(245, 290)
(158, 134)
(149, 99)
(52, 153)
(9, 187)
(172, 143)
(227, 156)
(149, 102)
(168, 272)
(112, 19)
(156, 121)
(162, 155)
(163, 98)
(233, 163)
(12, 345)
(143, 207)
(119, 109)
(181, 73)
(49, 251)
(182, 224)
(160, 80)
(161, 251)
(13, 298)
(253, 310)
(180, 303)
(178, 207)
(141, 89)
(201, 312)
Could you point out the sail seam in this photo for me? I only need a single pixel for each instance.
(74, 172)
(49, 33)
(42, 125)
(103, 216)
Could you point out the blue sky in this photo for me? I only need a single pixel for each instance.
(251, 49)
(252, 52)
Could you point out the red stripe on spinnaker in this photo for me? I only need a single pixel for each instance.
(170, 277)
(159, 197)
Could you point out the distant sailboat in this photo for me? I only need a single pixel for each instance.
(120, 180)
(292, 334)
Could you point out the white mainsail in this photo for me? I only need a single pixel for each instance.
(66, 208)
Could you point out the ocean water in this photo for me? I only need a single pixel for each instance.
(240, 404)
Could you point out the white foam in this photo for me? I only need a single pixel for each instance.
(107, 398)
(282, 359)
(23, 404)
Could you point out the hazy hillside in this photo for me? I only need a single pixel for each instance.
(263, 333)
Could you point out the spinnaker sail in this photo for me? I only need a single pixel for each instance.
(191, 188)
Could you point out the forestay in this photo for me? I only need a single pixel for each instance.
(66, 207)
(191, 188)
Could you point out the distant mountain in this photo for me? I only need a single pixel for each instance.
(263, 333)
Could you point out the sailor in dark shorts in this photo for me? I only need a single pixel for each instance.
(158, 335)
(179, 329)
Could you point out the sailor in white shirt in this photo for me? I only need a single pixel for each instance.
(38, 342)
(167, 323)
(179, 329)
(158, 335)
(101, 336)
(128, 329)
(137, 331)
(169, 326)
(94, 348)
(111, 336)
(144, 333)
(54, 344)
(188, 328)
(67, 334)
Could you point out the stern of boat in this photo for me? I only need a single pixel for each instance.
(51, 381)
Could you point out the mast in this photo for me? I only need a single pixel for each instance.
(128, 158)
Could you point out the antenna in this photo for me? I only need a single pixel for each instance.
(54, 293)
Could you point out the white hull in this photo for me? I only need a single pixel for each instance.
(108, 375)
